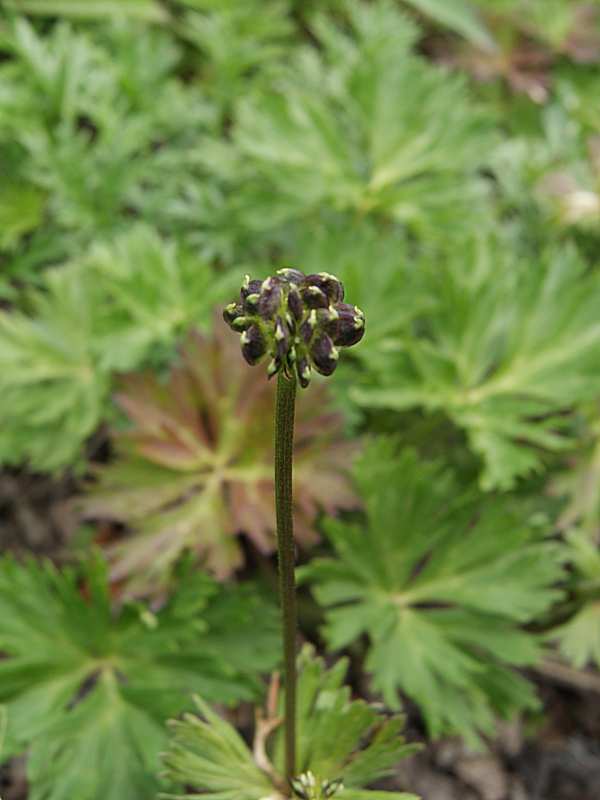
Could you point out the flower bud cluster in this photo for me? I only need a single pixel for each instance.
(298, 320)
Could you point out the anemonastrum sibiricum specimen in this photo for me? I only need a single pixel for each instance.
(299, 321)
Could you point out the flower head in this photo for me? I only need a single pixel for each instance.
(298, 320)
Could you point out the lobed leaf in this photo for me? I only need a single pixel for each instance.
(87, 689)
(362, 126)
(439, 583)
(116, 308)
(337, 737)
(504, 350)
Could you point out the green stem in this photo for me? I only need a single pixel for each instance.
(284, 443)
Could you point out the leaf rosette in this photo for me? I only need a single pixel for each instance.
(195, 467)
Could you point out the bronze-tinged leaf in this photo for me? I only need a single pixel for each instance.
(195, 468)
(524, 64)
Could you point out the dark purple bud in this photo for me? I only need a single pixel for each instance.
(253, 344)
(303, 371)
(231, 312)
(349, 327)
(325, 317)
(323, 354)
(249, 287)
(295, 304)
(308, 327)
(314, 297)
(291, 275)
(270, 298)
(282, 338)
(298, 320)
(328, 284)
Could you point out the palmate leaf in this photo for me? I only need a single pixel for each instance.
(440, 584)
(53, 387)
(362, 125)
(331, 725)
(153, 292)
(87, 690)
(390, 294)
(195, 469)
(103, 122)
(337, 738)
(238, 40)
(506, 347)
(112, 310)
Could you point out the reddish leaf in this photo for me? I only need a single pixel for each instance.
(195, 469)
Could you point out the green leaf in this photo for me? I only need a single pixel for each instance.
(106, 748)
(379, 292)
(440, 584)
(360, 126)
(337, 737)
(240, 42)
(207, 752)
(148, 10)
(506, 347)
(21, 211)
(578, 638)
(459, 16)
(154, 292)
(51, 381)
(102, 125)
(119, 306)
(331, 726)
(87, 689)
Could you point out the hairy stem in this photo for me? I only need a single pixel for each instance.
(284, 442)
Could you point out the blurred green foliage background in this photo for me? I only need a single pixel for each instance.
(442, 157)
